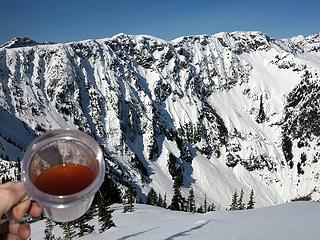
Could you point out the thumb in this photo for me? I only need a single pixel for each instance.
(11, 196)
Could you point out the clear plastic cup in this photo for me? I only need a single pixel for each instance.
(59, 147)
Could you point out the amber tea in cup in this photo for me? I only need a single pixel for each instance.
(64, 179)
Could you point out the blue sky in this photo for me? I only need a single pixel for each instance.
(72, 20)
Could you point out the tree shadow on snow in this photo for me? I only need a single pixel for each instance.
(137, 234)
(186, 232)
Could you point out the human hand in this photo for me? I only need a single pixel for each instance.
(14, 202)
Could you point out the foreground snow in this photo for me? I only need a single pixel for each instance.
(292, 221)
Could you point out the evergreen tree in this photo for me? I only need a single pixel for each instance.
(240, 201)
(18, 171)
(205, 204)
(84, 227)
(104, 216)
(160, 201)
(177, 202)
(191, 203)
(212, 207)
(175, 169)
(165, 201)
(108, 193)
(68, 230)
(251, 202)
(48, 232)
(128, 200)
(109, 190)
(287, 150)
(261, 115)
(5, 179)
(152, 197)
(234, 202)
(200, 209)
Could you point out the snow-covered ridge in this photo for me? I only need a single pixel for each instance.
(225, 112)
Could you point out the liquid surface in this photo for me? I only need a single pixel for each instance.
(64, 179)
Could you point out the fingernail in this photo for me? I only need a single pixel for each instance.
(17, 213)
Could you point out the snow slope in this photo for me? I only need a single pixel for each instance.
(292, 221)
(227, 111)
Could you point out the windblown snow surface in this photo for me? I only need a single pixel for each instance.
(291, 221)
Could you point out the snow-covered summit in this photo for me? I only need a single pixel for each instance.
(22, 42)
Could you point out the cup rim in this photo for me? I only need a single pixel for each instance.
(62, 201)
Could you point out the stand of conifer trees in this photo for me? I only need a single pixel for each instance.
(107, 194)
(237, 202)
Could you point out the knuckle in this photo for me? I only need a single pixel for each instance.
(7, 196)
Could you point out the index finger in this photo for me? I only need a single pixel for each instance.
(11, 196)
(7, 184)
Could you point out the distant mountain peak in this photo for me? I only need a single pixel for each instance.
(22, 42)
